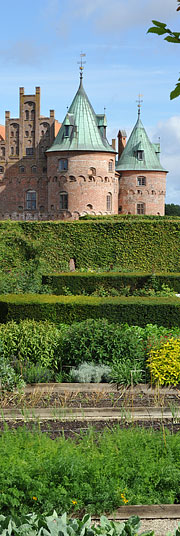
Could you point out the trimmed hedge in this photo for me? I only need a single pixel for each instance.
(78, 282)
(67, 309)
(135, 243)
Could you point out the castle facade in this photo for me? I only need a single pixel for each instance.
(52, 171)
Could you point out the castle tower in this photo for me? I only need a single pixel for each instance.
(81, 164)
(142, 182)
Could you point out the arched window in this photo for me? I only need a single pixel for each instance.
(12, 150)
(26, 114)
(141, 181)
(1, 169)
(109, 201)
(32, 115)
(63, 164)
(110, 165)
(90, 206)
(3, 151)
(31, 198)
(92, 171)
(34, 169)
(72, 178)
(22, 169)
(63, 201)
(140, 208)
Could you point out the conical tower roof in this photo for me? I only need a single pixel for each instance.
(139, 153)
(82, 129)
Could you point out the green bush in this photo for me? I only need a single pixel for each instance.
(89, 282)
(67, 309)
(39, 474)
(32, 342)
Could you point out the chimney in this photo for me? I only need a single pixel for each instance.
(114, 144)
(52, 113)
(121, 142)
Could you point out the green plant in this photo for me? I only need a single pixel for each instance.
(90, 372)
(127, 371)
(36, 373)
(54, 526)
(164, 363)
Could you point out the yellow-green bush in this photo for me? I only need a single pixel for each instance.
(164, 363)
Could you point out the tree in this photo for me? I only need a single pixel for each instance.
(172, 210)
(160, 28)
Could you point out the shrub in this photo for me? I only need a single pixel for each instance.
(89, 372)
(127, 371)
(37, 342)
(164, 363)
(36, 373)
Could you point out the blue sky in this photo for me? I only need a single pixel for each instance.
(41, 43)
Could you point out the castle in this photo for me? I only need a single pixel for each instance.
(53, 171)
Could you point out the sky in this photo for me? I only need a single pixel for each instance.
(41, 43)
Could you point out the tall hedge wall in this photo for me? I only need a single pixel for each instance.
(67, 309)
(134, 243)
(78, 282)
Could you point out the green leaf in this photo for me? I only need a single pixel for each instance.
(176, 92)
(159, 31)
(160, 24)
(172, 39)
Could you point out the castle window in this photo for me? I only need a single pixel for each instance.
(72, 178)
(34, 169)
(27, 133)
(139, 192)
(32, 114)
(90, 206)
(31, 200)
(26, 114)
(29, 151)
(42, 132)
(12, 133)
(22, 169)
(3, 151)
(141, 181)
(140, 155)
(12, 150)
(92, 171)
(63, 201)
(109, 201)
(1, 169)
(140, 208)
(63, 164)
(153, 192)
(44, 169)
(110, 165)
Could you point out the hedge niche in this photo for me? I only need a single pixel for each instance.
(67, 309)
(135, 243)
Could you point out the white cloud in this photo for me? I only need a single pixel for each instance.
(120, 14)
(24, 52)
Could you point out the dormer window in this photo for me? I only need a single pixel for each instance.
(140, 155)
(66, 131)
(63, 164)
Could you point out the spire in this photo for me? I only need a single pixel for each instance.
(139, 101)
(81, 68)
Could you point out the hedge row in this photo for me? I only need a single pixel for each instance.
(134, 243)
(133, 310)
(78, 282)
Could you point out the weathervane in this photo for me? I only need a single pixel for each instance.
(140, 100)
(81, 65)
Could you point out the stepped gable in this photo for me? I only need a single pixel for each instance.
(82, 129)
(139, 153)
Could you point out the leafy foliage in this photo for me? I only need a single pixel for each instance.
(160, 28)
(35, 525)
(164, 363)
(39, 474)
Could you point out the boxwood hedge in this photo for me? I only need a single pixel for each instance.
(77, 282)
(67, 309)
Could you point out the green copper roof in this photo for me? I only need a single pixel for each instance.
(139, 141)
(82, 129)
